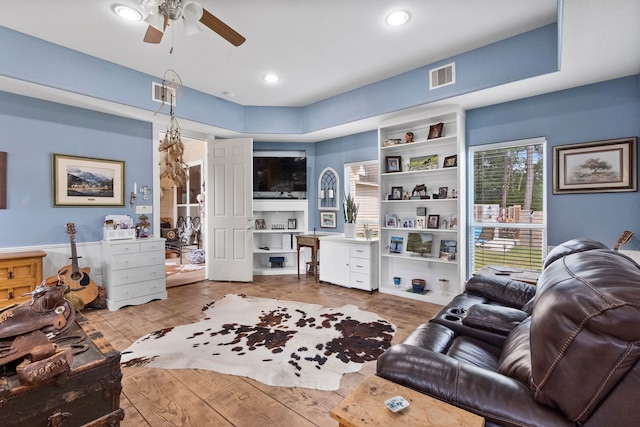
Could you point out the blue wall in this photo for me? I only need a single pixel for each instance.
(34, 129)
(335, 153)
(595, 112)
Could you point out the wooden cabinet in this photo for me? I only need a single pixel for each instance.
(133, 271)
(422, 209)
(276, 223)
(20, 273)
(349, 262)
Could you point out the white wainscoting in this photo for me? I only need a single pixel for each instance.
(59, 255)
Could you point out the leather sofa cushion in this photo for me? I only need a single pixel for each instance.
(571, 247)
(585, 330)
(501, 289)
(493, 318)
(515, 361)
(475, 352)
(431, 336)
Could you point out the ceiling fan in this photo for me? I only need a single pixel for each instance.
(161, 11)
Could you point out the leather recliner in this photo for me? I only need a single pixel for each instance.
(566, 355)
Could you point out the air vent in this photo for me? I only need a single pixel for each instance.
(443, 76)
(162, 94)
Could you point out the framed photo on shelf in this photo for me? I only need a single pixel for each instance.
(435, 131)
(292, 224)
(390, 220)
(408, 223)
(448, 250)
(420, 243)
(443, 192)
(421, 211)
(396, 244)
(596, 167)
(423, 163)
(393, 163)
(85, 181)
(261, 224)
(328, 220)
(450, 161)
(396, 193)
(433, 221)
(421, 222)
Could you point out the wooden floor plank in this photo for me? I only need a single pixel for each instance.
(189, 397)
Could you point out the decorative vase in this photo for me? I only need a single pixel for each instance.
(350, 229)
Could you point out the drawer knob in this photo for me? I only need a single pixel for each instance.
(10, 275)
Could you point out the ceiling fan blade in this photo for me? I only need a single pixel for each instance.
(153, 35)
(225, 31)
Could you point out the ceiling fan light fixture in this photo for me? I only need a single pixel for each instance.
(192, 11)
(191, 28)
(156, 21)
(397, 18)
(126, 12)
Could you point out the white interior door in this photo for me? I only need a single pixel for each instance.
(229, 209)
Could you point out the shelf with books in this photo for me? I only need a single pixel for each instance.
(421, 238)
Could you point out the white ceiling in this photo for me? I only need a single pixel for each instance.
(324, 48)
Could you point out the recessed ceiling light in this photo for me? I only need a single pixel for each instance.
(271, 78)
(127, 13)
(229, 94)
(398, 18)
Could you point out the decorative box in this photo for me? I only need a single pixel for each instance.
(119, 234)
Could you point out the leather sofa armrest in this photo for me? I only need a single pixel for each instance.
(494, 318)
(501, 289)
(500, 399)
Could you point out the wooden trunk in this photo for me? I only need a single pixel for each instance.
(88, 395)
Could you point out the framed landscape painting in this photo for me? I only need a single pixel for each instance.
(85, 181)
(596, 167)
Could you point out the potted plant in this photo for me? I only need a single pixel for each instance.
(350, 216)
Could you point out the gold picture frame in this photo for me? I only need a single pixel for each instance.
(87, 181)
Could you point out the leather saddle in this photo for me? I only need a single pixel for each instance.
(48, 311)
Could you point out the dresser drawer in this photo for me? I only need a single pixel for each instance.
(133, 275)
(152, 246)
(136, 260)
(127, 248)
(360, 281)
(360, 265)
(20, 270)
(361, 251)
(149, 287)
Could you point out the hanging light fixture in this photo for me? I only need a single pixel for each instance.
(173, 166)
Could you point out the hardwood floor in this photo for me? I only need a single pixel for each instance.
(190, 397)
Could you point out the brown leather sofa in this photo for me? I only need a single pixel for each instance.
(563, 353)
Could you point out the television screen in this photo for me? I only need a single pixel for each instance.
(276, 177)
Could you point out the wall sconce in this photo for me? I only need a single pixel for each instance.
(145, 190)
(132, 198)
(331, 193)
(321, 194)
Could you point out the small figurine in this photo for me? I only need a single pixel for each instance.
(408, 137)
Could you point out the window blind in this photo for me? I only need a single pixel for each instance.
(508, 222)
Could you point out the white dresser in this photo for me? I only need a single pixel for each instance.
(352, 263)
(133, 271)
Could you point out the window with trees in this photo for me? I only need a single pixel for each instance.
(508, 225)
(361, 181)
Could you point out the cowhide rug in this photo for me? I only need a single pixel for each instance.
(279, 343)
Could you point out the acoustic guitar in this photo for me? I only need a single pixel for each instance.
(78, 279)
(624, 238)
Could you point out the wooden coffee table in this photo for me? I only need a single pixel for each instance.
(364, 406)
